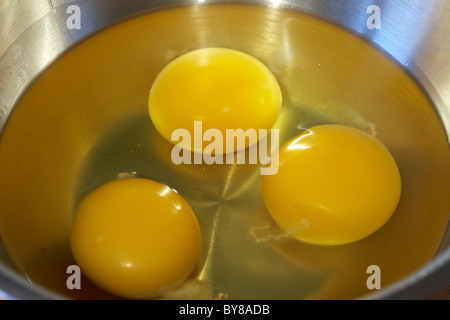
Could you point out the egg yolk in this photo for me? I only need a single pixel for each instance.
(335, 185)
(223, 88)
(135, 238)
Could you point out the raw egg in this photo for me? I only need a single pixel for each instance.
(135, 238)
(335, 185)
(223, 88)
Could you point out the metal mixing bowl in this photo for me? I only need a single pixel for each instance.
(414, 34)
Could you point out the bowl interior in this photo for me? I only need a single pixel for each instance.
(84, 121)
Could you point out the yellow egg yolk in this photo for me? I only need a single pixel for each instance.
(335, 185)
(222, 88)
(135, 238)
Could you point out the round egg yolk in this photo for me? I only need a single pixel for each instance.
(135, 238)
(335, 185)
(222, 88)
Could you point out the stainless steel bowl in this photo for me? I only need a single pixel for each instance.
(36, 33)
